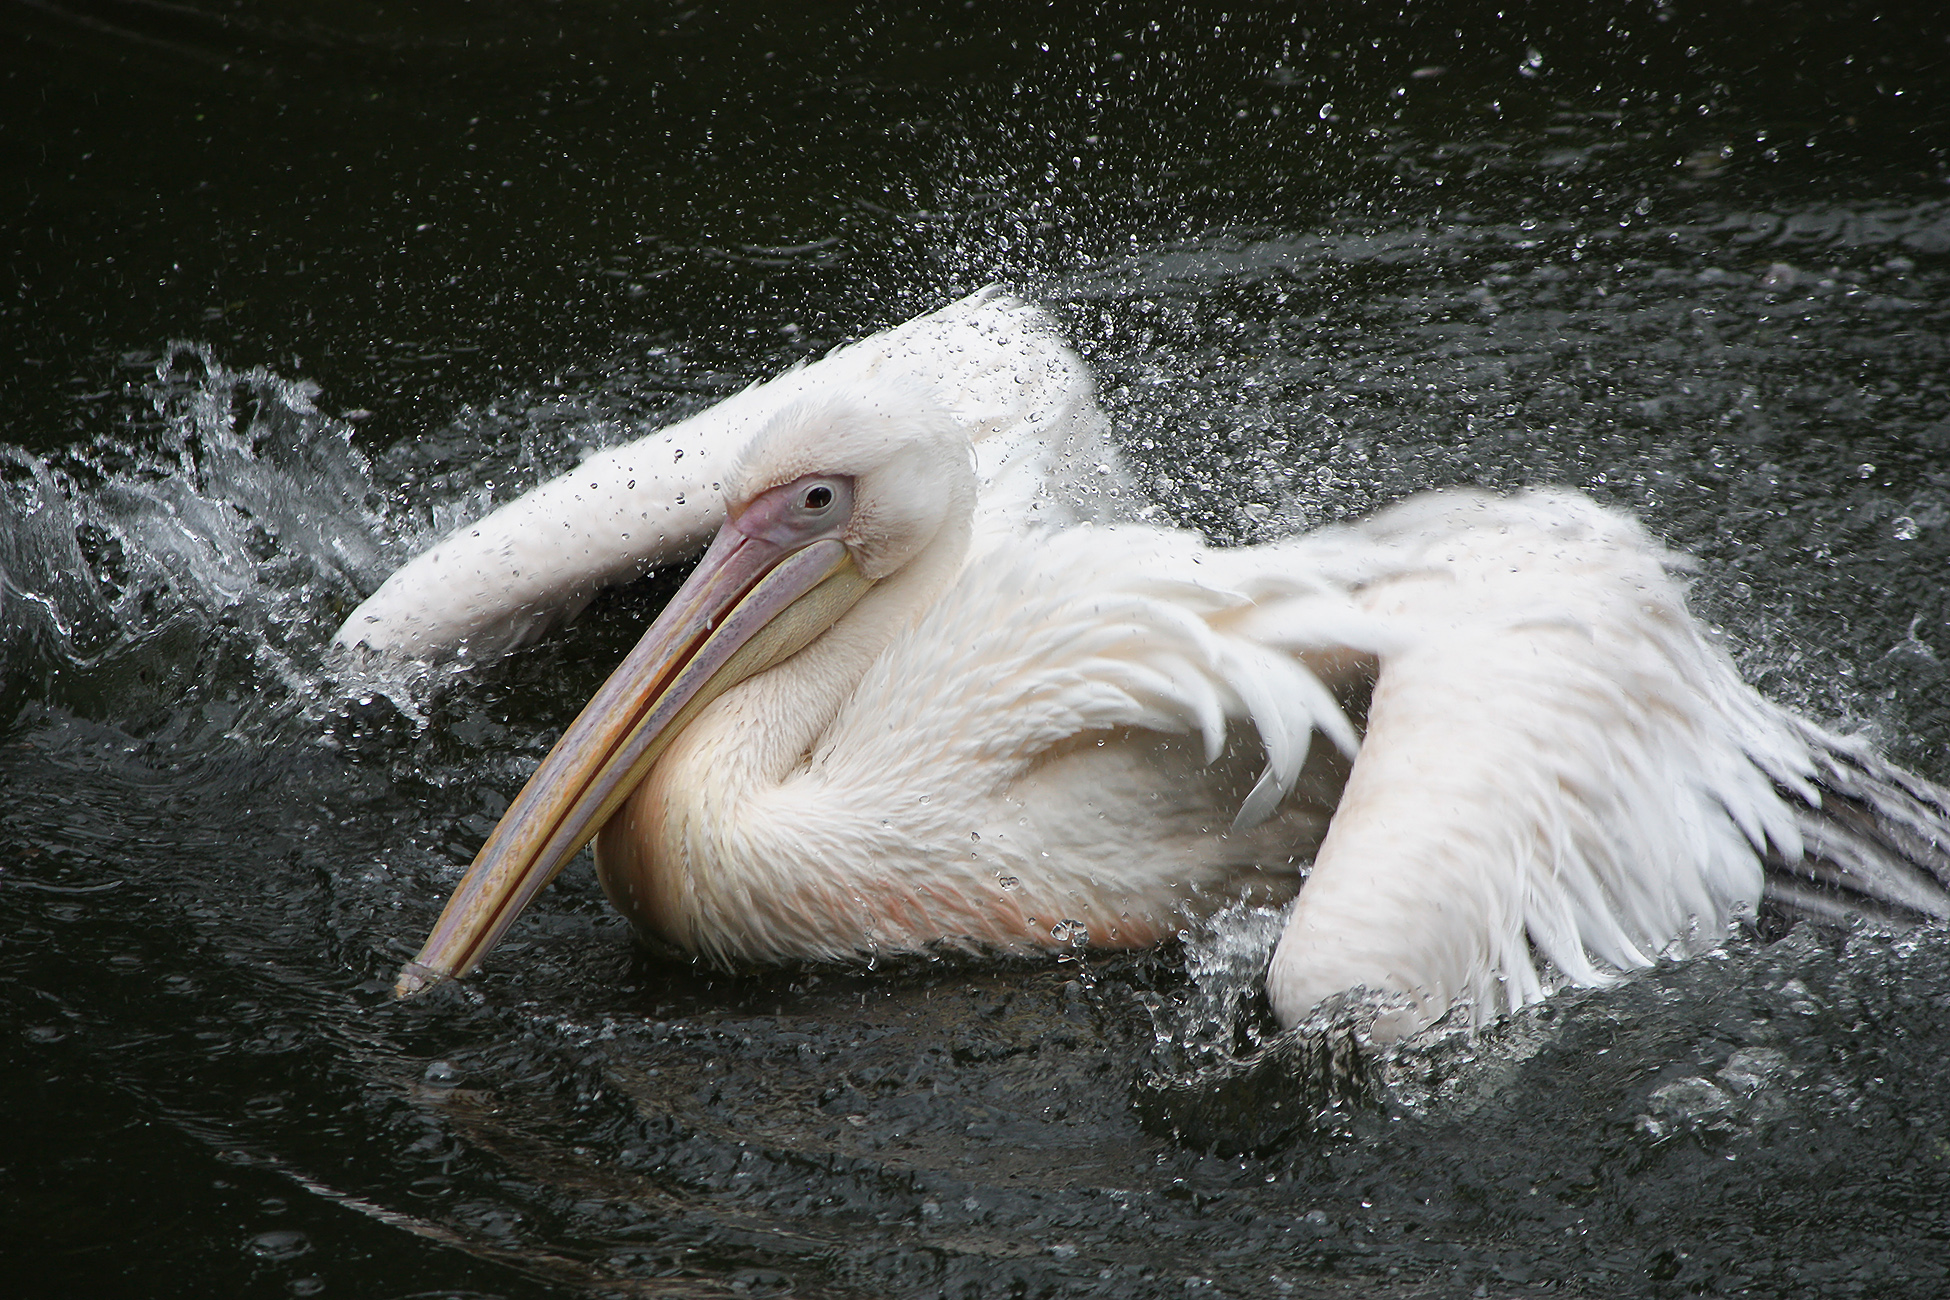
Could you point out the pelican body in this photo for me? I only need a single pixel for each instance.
(933, 684)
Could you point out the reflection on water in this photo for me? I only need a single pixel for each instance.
(1316, 268)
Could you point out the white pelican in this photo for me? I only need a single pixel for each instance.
(912, 695)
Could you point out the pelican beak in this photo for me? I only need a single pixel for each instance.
(751, 602)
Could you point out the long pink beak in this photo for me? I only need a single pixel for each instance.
(724, 625)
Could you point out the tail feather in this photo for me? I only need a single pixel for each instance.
(1876, 846)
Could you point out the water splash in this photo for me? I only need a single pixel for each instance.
(1222, 1015)
(1224, 1074)
(186, 573)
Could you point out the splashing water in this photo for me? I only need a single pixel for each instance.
(186, 575)
(1220, 1014)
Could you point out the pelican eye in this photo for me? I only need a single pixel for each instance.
(795, 513)
(816, 500)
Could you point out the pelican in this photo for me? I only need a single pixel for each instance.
(935, 683)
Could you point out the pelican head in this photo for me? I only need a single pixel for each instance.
(840, 494)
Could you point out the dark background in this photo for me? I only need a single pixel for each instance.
(347, 189)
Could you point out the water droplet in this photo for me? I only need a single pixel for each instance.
(1074, 933)
(1904, 528)
(283, 1244)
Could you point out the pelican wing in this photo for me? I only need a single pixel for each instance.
(996, 363)
(1562, 777)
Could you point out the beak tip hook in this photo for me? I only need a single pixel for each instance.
(415, 979)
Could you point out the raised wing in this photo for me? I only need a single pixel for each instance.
(994, 361)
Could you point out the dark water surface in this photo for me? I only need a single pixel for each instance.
(295, 288)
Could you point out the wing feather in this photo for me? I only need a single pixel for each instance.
(1562, 777)
(995, 362)
(1092, 630)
